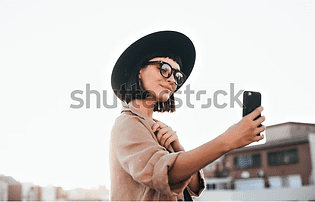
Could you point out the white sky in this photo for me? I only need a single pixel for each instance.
(50, 48)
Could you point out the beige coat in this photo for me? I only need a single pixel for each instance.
(139, 164)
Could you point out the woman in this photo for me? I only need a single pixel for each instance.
(147, 161)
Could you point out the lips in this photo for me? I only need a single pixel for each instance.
(168, 88)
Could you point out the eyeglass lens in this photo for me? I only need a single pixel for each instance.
(166, 71)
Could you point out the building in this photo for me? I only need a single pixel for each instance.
(12, 189)
(286, 153)
(286, 160)
(15, 192)
(48, 193)
(34, 194)
(26, 189)
(61, 195)
(3, 190)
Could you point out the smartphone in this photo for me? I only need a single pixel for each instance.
(251, 101)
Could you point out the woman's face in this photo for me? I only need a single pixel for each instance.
(152, 81)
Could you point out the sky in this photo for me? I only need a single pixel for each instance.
(49, 49)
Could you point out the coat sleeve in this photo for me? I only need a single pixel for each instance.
(202, 185)
(142, 157)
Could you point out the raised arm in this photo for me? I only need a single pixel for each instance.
(239, 135)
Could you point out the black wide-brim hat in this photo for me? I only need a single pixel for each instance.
(163, 41)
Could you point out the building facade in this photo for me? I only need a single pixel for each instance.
(12, 189)
(285, 160)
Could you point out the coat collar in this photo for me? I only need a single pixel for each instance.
(135, 112)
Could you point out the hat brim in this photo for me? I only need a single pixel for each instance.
(163, 41)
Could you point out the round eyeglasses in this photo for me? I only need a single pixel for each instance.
(166, 70)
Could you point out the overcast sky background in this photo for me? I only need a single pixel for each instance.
(50, 48)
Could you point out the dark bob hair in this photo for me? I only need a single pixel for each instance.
(132, 89)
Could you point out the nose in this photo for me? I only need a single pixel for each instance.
(171, 80)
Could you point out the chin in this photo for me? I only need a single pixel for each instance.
(164, 97)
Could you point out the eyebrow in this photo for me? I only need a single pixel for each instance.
(167, 63)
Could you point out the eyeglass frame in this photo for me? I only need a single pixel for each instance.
(173, 70)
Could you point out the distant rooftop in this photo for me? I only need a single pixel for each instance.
(283, 134)
(290, 122)
(9, 180)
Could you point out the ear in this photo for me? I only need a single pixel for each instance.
(140, 73)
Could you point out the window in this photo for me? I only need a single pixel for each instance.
(211, 186)
(219, 186)
(247, 161)
(283, 157)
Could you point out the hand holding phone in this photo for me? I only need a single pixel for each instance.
(247, 131)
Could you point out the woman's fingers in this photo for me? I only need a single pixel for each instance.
(157, 125)
(255, 113)
(161, 132)
(259, 121)
(164, 138)
(260, 129)
(169, 141)
(165, 134)
(258, 138)
(257, 124)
